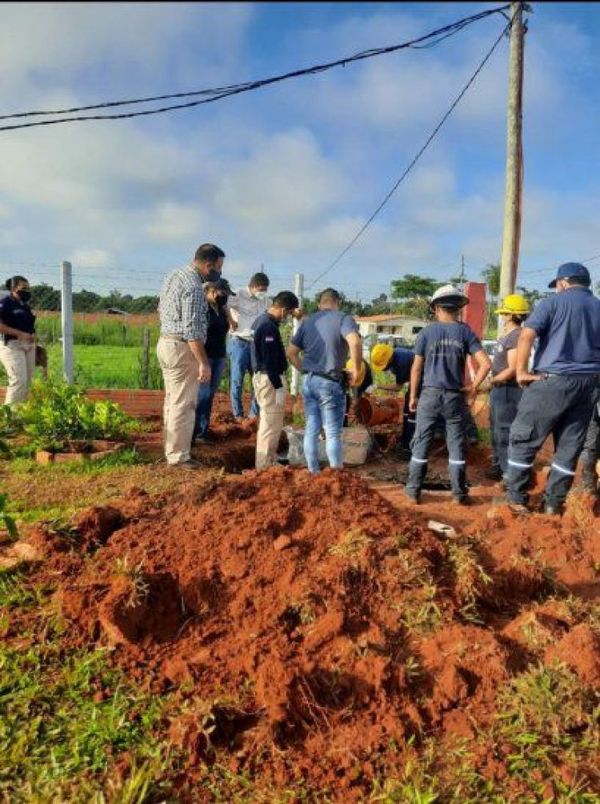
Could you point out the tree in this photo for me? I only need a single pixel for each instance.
(491, 274)
(412, 286)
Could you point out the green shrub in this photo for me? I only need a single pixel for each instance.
(57, 412)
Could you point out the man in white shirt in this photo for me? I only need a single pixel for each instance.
(245, 307)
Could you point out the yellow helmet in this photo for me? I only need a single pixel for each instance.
(361, 373)
(381, 354)
(514, 305)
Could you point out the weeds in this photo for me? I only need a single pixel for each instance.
(351, 544)
(139, 587)
(7, 522)
(550, 720)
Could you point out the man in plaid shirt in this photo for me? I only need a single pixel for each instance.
(183, 314)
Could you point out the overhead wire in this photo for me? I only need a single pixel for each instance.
(416, 158)
(219, 93)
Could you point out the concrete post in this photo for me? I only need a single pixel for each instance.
(66, 320)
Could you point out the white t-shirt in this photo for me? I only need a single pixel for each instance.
(245, 309)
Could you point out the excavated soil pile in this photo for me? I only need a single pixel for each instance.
(319, 624)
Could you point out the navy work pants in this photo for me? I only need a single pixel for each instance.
(450, 405)
(504, 401)
(560, 404)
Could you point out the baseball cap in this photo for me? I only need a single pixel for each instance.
(570, 270)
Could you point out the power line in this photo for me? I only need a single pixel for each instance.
(416, 158)
(223, 92)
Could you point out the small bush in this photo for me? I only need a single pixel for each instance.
(57, 412)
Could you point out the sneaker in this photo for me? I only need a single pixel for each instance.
(413, 496)
(207, 438)
(189, 465)
(518, 508)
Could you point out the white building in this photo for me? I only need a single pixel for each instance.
(397, 330)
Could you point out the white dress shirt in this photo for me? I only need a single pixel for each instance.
(245, 309)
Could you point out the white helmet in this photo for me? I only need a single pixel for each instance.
(448, 296)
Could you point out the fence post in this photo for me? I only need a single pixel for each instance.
(66, 319)
(146, 358)
(299, 291)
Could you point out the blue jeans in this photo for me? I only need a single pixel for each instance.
(324, 406)
(240, 356)
(206, 394)
(451, 405)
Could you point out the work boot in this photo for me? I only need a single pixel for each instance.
(191, 464)
(551, 509)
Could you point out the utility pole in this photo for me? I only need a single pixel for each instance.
(462, 272)
(66, 319)
(514, 155)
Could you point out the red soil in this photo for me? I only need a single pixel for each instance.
(318, 620)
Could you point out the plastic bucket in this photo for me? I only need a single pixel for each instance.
(373, 410)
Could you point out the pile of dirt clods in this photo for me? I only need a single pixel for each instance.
(317, 620)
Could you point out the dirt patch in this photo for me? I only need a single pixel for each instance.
(318, 622)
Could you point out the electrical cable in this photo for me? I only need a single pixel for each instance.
(235, 89)
(416, 158)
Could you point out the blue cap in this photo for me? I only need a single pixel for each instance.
(570, 270)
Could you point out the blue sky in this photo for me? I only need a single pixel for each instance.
(286, 176)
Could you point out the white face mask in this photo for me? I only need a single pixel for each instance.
(260, 294)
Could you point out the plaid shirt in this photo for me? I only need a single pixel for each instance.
(183, 308)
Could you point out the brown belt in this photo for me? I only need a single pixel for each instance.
(173, 338)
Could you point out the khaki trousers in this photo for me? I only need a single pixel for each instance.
(180, 374)
(270, 424)
(18, 359)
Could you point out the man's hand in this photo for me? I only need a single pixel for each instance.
(470, 392)
(525, 378)
(298, 314)
(354, 376)
(233, 324)
(204, 373)
(412, 404)
(27, 337)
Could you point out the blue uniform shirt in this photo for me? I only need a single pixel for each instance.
(568, 328)
(268, 353)
(400, 364)
(322, 338)
(17, 315)
(445, 348)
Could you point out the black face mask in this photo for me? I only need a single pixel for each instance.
(24, 295)
(212, 276)
(221, 301)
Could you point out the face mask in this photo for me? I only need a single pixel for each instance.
(221, 301)
(24, 295)
(260, 294)
(212, 276)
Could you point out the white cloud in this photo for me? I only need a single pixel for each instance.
(91, 258)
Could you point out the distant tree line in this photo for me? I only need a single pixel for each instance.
(45, 297)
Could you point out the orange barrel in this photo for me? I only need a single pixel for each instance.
(374, 410)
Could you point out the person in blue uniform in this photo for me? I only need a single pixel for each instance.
(560, 391)
(17, 339)
(269, 365)
(437, 382)
(505, 393)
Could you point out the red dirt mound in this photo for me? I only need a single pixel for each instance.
(316, 621)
